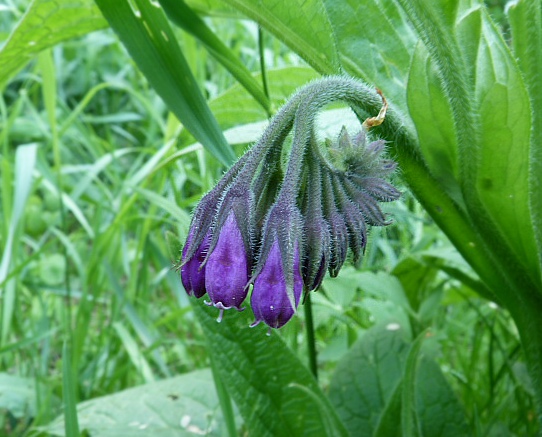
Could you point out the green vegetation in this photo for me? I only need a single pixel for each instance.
(108, 139)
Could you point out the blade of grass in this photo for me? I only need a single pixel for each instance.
(134, 352)
(25, 158)
(146, 34)
(179, 12)
(71, 423)
(224, 399)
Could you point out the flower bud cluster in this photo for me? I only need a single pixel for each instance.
(278, 227)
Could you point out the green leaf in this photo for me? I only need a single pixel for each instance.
(374, 42)
(303, 25)
(438, 410)
(264, 377)
(383, 378)
(526, 26)
(183, 16)
(432, 114)
(502, 171)
(69, 396)
(333, 36)
(17, 395)
(282, 83)
(417, 279)
(45, 24)
(366, 378)
(409, 418)
(150, 41)
(185, 405)
(25, 159)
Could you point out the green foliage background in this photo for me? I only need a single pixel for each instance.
(108, 139)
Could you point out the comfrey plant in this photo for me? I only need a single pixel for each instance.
(279, 228)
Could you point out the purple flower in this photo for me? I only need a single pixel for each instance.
(227, 268)
(281, 217)
(270, 299)
(193, 270)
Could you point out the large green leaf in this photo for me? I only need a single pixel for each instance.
(185, 405)
(384, 379)
(45, 24)
(17, 395)
(146, 33)
(502, 179)
(432, 114)
(374, 43)
(366, 378)
(437, 408)
(526, 25)
(274, 391)
(491, 116)
(367, 40)
(302, 24)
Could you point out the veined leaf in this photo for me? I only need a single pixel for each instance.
(433, 117)
(368, 40)
(150, 41)
(526, 25)
(264, 377)
(383, 377)
(375, 43)
(183, 406)
(438, 411)
(502, 171)
(366, 378)
(45, 24)
(302, 24)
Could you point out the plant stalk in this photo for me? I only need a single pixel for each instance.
(311, 340)
(527, 314)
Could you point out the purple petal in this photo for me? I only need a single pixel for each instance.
(270, 301)
(192, 272)
(226, 271)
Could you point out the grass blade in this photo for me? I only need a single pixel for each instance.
(71, 423)
(183, 16)
(146, 34)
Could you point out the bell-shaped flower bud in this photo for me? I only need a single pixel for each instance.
(377, 188)
(337, 228)
(277, 276)
(273, 300)
(354, 220)
(193, 270)
(227, 268)
(316, 247)
(367, 204)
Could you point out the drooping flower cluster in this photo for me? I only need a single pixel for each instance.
(277, 228)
